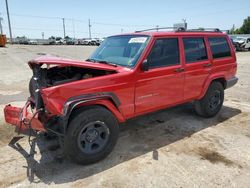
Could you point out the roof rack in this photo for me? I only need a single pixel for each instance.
(160, 28)
(204, 30)
(182, 29)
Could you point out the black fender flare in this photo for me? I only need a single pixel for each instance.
(72, 102)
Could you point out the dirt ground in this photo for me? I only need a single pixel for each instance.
(169, 148)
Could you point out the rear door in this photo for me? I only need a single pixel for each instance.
(162, 84)
(197, 65)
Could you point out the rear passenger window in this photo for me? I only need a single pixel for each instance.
(165, 52)
(194, 49)
(219, 47)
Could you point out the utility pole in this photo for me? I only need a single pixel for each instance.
(43, 35)
(89, 30)
(1, 28)
(121, 30)
(74, 33)
(63, 27)
(7, 9)
(185, 23)
(157, 28)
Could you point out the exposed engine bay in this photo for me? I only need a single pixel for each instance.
(46, 76)
(60, 75)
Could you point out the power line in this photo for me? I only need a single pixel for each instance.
(57, 30)
(121, 25)
(79, 20)
(34, 16)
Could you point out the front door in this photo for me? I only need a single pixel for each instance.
(162, 84)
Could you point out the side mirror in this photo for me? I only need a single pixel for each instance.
(145, 65)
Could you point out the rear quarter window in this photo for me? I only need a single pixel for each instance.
(219, 47)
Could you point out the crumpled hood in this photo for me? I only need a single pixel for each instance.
(52, 60)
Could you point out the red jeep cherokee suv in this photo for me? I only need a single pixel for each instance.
(83, 102)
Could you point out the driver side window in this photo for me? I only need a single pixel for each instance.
(165, 52)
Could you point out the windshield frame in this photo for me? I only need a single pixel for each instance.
(140, 51)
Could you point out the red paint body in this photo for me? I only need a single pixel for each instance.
(140, 91)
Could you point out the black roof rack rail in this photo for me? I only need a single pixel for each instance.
(182, 29)
(204, 30)
(160, 28)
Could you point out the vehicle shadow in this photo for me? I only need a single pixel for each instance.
(137, 137)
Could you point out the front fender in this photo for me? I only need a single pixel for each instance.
(106, 99)
(107, 104)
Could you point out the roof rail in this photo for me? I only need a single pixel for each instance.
(182, 29)
(204, 30)
(161, 28)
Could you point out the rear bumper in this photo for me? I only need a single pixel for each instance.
(22, 119)
(231, 82)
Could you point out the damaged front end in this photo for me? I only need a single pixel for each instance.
(22, 118)
(50, 72)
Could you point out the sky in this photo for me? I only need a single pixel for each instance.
(108, 17)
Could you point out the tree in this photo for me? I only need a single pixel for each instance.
(201, 29)
(232, 30)
(52, 38)
(245, 28)
(237, 31)
(67, 37)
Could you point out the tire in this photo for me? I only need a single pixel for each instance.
(212, 102)
(91, 135)
(32, 87)
(237, 46)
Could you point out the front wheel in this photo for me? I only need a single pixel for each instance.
(91, 135)
(212, 102)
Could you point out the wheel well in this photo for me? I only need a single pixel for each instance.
(80, 109)
(222, 81)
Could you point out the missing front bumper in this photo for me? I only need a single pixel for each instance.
(22, 119)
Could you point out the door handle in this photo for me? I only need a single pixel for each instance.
(207, 65)
(179, 70)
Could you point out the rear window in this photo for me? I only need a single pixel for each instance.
(219, 47)
(194, 49)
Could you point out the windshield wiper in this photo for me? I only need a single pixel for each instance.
(91, 60)
(102, 61)
(107, 63)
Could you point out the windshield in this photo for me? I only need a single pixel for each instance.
(123, 50)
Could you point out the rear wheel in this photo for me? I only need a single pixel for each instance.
(212, 102)
(91, 135)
